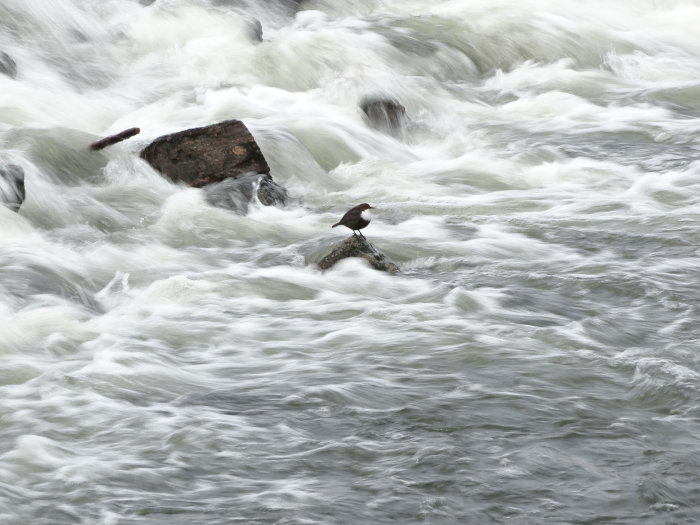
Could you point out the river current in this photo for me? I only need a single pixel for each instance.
(168, 362)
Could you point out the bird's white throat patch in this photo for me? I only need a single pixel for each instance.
(366, 215)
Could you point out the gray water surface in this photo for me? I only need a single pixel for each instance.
(169, 362)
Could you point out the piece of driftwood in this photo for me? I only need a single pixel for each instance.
(113, 139)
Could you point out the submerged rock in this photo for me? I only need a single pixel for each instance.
(269, 192)
(7, 65)
(384, 114)
(213, 154)
(12, 192)
(255, 30)
(355, 246)
(234, 193)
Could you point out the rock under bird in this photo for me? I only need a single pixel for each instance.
(356, 218)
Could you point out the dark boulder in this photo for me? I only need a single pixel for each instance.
(384, 114)
(355, 246)
(12, 192)
(210, 155)
(7, 65)
(201, 156)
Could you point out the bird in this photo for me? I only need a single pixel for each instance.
(356, 218)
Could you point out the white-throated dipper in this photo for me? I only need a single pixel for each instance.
(356, 218)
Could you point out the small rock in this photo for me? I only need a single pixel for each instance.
(270, 193)
(7, 65)
(355, 246)
(384, 114)
(213, 154)
(255, 30)
(12, 192)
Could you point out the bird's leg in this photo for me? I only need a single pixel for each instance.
(365, 238)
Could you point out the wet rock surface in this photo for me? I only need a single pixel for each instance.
(355, 246)
(12, 191)
(235, 193)
(271, 193)
(7, 65)
(210, 155)
(384, 114)
(255, 30)
(201, 156)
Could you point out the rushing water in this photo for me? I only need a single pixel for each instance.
(536, 361)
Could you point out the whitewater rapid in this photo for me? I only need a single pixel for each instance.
(165, 361)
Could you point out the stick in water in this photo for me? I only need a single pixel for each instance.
(113, 139)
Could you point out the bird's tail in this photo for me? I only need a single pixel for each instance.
(336, 224)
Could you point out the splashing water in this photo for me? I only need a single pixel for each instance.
(167, 361)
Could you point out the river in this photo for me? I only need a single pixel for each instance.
(168, 362)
